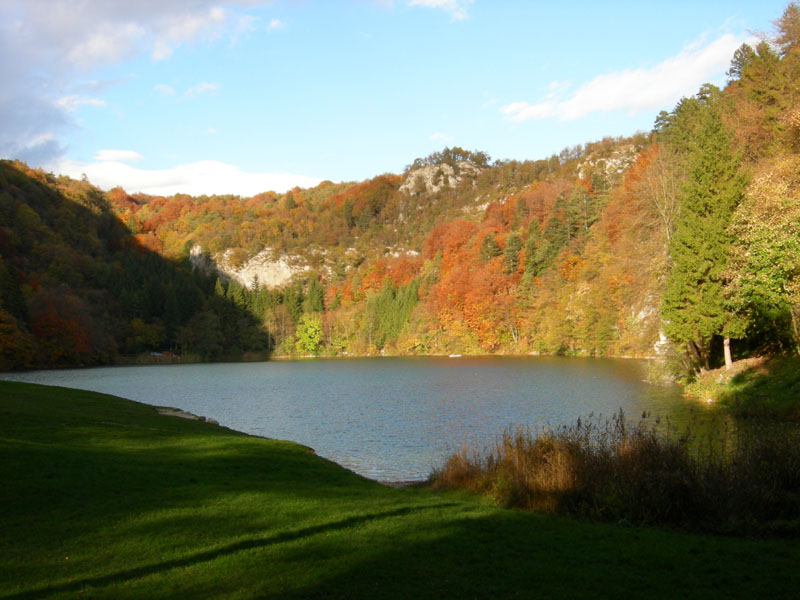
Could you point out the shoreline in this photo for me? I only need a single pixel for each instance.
(141, 362)
(171, 411)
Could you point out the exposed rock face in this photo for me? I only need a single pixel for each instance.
(432, 178)
(269, 270)
(614, 165)
(476, 209)
(200, 260)
(662, 345)
(397, 252)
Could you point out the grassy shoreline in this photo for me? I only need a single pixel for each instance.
(764, 387)
(106, 498)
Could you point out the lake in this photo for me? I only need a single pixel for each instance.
(390, 419)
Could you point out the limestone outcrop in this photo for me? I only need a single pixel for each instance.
(265, 267)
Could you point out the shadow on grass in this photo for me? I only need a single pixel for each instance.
(108, 468)
(451, 550)
(510, 554)
(210, 555)
(113, 485)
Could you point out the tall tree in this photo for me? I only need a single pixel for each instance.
(765, 269)
(314, 301)
(489, 247)
(694, 309)
(511, 253)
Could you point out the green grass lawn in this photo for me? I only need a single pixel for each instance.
(103, 497)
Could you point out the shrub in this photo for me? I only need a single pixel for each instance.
(747, 481)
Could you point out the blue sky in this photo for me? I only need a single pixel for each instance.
(215, 96)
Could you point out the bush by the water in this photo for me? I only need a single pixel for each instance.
(642, 473)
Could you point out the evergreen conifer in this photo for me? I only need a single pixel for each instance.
(694, 308)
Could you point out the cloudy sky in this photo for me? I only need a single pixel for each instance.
(217, 96)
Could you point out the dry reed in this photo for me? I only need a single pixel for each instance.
(641, 473)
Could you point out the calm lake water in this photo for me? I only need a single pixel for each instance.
(391, 419)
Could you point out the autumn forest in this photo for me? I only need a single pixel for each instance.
(682, 242)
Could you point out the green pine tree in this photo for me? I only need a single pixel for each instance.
(219, 288)
(489, 247)
(315, 299)
(235, 294)
(531, 246)
(694, 308)
(293, 300)
(511, 253)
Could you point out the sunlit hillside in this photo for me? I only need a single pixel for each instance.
(664, 243)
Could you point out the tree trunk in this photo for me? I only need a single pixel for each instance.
(726, 344)
(695, 354)
(796, 333)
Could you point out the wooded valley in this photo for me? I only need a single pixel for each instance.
(679, 242)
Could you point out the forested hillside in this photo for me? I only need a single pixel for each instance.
(666, 243)
(76, 288)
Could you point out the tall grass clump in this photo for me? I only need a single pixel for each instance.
(747, 482)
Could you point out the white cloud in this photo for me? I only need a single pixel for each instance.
(29, 120)
(197, 178)
(161, 51)
(633, 90)
(164, 89)
(211, 131)
(456, 8)
(556, 88)
(108, 43)
(35, 148)
(73, 101)
(180, 26)
(440, 137)
(522, 111)
(202, 88)
(87, 34)
(96, 86)
(118, 156)
(245, 25)
(276, 24)
(54, 43)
